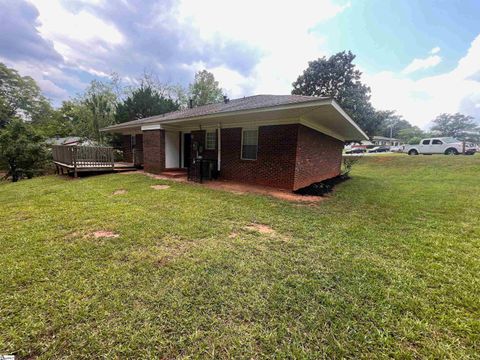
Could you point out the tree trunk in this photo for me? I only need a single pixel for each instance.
(12, 164)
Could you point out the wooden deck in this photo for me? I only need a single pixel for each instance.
(75, 159)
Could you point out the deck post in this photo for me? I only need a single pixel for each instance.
(74, 150)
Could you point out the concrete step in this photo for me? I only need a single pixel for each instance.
(174, 173)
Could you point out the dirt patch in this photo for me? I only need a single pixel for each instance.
(240, 188)
(74, 235)
(120, 192)
(243, 189)
(233, 235)
(159, 187)
(156, 176)
(261, 228)
(104, 234)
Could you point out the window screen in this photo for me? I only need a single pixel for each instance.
(249, 144)
(211, 140)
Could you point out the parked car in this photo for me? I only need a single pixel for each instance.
(446, 145)
(398, 148)
(379, 149)
(357, 150)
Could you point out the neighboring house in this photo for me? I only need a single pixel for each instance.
(283, 141)
(70, 141)
(387, 141)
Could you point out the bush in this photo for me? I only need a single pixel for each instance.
(323, 187)
(348, 163)
(22, 151)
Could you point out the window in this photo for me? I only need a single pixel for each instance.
(437, 142)
(426, 142)
(249, 144)
(210, 140)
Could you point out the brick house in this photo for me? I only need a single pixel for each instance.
(283, 141)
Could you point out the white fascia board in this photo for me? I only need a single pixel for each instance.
(152, 127)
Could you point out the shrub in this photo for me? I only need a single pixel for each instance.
(348, 163)
(22, 150)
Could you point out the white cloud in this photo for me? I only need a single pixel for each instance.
(278, 29)
(435, 50)
(422, 64)
(420, 101)
(64, 28)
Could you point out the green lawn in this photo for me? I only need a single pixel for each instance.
(389, 266)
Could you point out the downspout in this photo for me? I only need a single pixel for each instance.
(219, 148)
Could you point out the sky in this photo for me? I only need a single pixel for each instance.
(420, 58)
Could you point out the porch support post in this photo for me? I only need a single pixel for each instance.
(219, 147)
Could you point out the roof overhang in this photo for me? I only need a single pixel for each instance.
(324, 115)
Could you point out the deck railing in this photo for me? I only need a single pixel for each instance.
(83, 156)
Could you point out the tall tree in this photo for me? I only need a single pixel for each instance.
(57, 123)
(100, 102)
(20, 96)
(392, 125)
(338, 78)
(5, 113)
(457, 125)
(411, 135)
(205, 89)
(22, 150)
(143, 102)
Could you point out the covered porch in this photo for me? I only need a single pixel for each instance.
(173, 151)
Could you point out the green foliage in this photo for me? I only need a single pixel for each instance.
(338, 78)
(57, 124)
(5, 113)
(392, 125)
(411, 135)
(457, 125)
(144, 102)
(100, 101)
(22, 150)
(386, 268)
(21, 97)
(205, 89)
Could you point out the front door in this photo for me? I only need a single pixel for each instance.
(187, 152)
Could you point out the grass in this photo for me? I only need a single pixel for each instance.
(387, 267)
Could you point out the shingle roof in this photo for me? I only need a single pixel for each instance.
(246, 103)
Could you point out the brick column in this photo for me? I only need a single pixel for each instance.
(154, 151)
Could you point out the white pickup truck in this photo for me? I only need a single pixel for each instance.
(446, 145)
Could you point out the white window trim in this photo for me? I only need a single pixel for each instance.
(241, 144)
(206, 142)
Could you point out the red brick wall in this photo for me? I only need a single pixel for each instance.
(127, 148)
(275, 164)
(319, 157)
(199, 136)
(154, 151)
